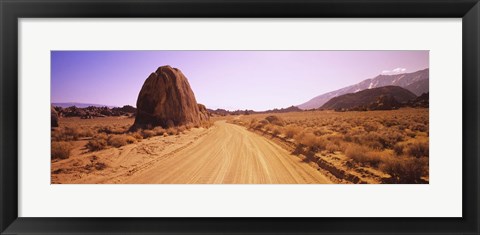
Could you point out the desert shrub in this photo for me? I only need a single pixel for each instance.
(417, 149)
(353, 135)
(252, 123)
(120, 140)
(364, 155)
(406, 170)
(268, 127)
(372, 140)
(335, 138)
(100, 166)
(398, 148)
(187, 126)
(356, 152)
(73, 133)
(275, 120)
(88, 132)
(260, 124)
(181, 129)
(99, 142)
(310, 140)
(410, 133)
(148, 133)
(290, 131)
(69, 134)
(390, 122)
(112, 130)
(61, 150)
(391, 137)
(57, 135)
(419, 127)
(171, 131)
(371, 126)
(321, 131)
(96, 144)
(343, 128)
(137, 135)
(332, 147)
(276, 131)
(158, 130)
(378, 140)
(414, 148)
(206, 124)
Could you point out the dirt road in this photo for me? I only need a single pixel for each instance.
(230, 154)
(223, 154)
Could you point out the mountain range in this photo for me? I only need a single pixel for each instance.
(80, 105)
(380, 98)
(416, 82)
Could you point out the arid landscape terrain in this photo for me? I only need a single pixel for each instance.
(373, 132)
(222, 153)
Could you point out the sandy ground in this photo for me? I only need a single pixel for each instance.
(223, 154)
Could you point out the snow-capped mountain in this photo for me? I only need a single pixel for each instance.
(416, 82)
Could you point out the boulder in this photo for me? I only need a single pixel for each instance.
(53, 117)
(166, 99)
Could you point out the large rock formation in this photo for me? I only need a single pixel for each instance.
(166, 100)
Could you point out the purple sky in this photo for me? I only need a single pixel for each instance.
(257, 80)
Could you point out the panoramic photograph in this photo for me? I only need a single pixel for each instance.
(240, 117)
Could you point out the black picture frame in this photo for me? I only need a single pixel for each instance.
(12, 10)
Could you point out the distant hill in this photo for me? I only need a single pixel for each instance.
(381, 98)
(223, 112)
(80, 105)
(418, 88)
(417, 82)
(283, 110)
(420, 102)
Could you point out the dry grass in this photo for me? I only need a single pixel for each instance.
(275, 120)
(207, 124)
(61, 150)
(148, 133)
(171, 131)
(291, 130)
(71, 133)
(311, 141)
(389, 141)
(102, 133)
(406, 170)
(120, 140)
(96, 144)
(365, 155)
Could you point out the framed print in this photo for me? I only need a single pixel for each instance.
(239, 117)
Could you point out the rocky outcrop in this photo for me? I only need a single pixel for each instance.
(203, 112)
(166, 99)
(53, 117)
(93, 111)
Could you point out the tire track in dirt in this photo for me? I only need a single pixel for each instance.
(226, 154)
